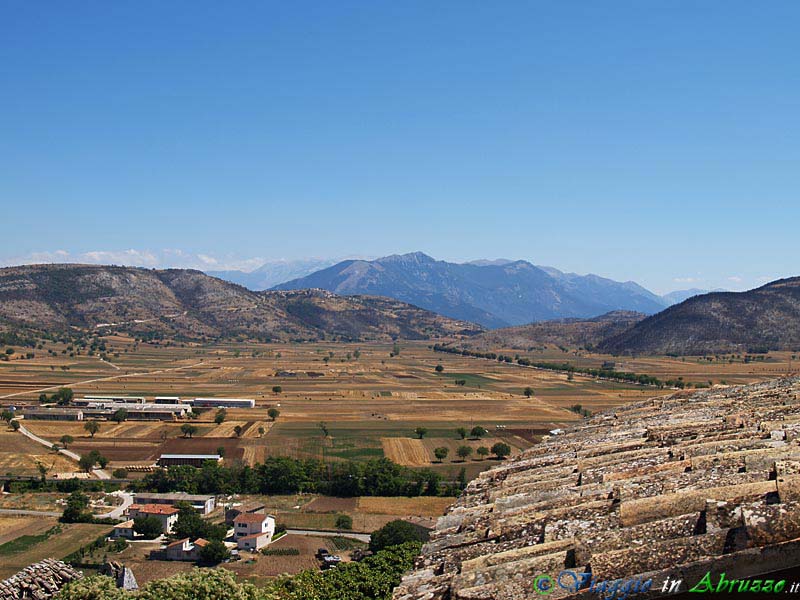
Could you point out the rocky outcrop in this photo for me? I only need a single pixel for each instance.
(187, 304)
(669, 487)
(39, 581)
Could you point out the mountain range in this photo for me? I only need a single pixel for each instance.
(494, 294)
(188, 304)
(273, 272)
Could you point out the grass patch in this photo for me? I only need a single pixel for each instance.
(356, 453)
(24, 542)
(343, 543)
(471, 379)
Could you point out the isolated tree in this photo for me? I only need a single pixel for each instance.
(238, 430)
(7, 415)
(43, 398)
(193, 414)
(395, 349)
(214, 552)
(277, 389)
(188, 430)
(344, 522)
(439, 368)
(483, 452)
(420, 432)
(273, 413)
(76, 509)
(261, 431)
(528, 392)
(64, 395)
(87, 462)
(221, 451)
(356, 353)
(219, 418)
(462, 432)
(148, 527)
(120, 415)
(43, 469)
(92, 427)
(501, 450)
(14, 424)
(441, 453)
(478, 432)
(395, 533)
(464, 452)
(102, 461)
(323, 426)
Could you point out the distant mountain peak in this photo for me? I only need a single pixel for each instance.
(494, 293)
(419, 257)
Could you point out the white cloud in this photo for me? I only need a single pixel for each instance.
(735, 279)
(168, 257)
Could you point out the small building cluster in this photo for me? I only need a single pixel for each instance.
(162, 408)
(193, 460)
(202, 503)
(185, 549)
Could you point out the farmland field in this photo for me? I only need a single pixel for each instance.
(65, 539)
(370, 405)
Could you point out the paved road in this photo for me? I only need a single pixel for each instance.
(99, 473)
(361, 537)
(79, 383)
(116, 512)
(33, 513)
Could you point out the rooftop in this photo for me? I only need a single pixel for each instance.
(126, 525)
(154, 509)
(177, 496)
(253, 536)
(192, 456)
(250, 518)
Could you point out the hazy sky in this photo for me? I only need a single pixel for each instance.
(652, 141)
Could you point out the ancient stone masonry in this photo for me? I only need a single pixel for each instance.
(669, 487)
(39, 581)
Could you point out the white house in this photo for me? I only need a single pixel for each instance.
(253, 531)
(123, 530)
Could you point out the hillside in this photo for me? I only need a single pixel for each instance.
(492, 293)
(764, 318)
(570, 333)
(672, 486)
(190, 304)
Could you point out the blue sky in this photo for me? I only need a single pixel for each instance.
(648, 141)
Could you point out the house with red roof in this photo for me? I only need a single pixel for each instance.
(167, 515)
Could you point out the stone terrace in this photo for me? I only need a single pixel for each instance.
(672, 486)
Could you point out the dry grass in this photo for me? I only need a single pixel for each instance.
(406, 451)
(423, 506)
(72, 537)
(19, 455)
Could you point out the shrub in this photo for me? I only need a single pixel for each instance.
(344, 522)
(395, 533)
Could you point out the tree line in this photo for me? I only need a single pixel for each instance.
(565, 367)
(284, 475)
